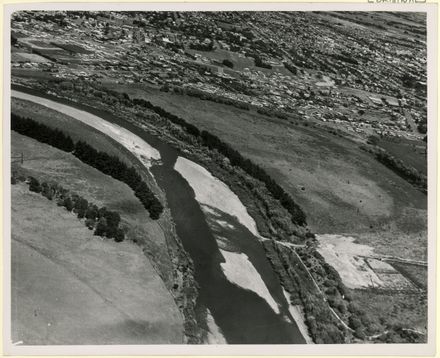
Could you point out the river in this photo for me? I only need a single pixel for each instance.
(240, 297)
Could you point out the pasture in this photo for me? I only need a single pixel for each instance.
(71, 287)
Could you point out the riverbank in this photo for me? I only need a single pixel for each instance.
(272, 222)
(298, 315)
(141, 149)
(158, 242)
(250, 276)
(253, 193)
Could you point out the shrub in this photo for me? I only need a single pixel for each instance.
(81, 206)
(101, 227)
(91, 212)
(68, 203)
(354, 323)
(90, 223)
(120, 235)
(34, 185)
(47, 190)
(359, 333)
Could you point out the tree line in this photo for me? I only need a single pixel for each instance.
(410, 174)
(107, 164)
(321, 323)
(111, 165)
(208, 96)
(236, 159)
(104, 222)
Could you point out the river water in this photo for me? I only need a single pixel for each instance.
(238, 287)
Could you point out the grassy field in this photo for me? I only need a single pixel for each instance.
(50, 164)
(341, 189)
(70, 287)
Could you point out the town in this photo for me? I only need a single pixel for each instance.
(356, 78)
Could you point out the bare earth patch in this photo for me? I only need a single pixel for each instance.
(357, 264)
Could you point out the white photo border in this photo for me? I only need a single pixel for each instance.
(427, 349)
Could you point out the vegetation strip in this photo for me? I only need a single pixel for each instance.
(110, 165)
(104, 222)
(410, 174)
(213, 142)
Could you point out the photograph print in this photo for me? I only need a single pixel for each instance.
(218, 177)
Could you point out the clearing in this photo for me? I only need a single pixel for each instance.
(359, 266)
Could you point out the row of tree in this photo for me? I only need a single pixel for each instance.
(42, 133)
(107, 164)
(111, 165)
(410, 174)
(208, 96)
(236, 159)
(105, 223)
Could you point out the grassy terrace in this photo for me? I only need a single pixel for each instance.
(95, 290)
(156, 238)
(49, 164)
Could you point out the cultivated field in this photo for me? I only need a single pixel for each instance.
(70, 287)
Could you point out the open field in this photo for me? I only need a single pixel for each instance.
(70, 287)
(341, 189)
(50, 164)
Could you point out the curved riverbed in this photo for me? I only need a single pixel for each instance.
(240, 297)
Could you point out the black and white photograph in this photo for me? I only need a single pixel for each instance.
(196, 177)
